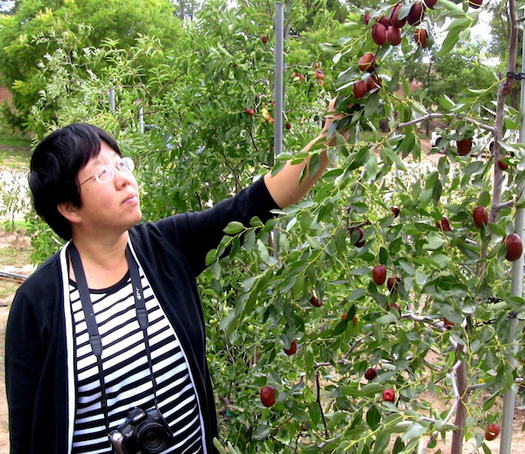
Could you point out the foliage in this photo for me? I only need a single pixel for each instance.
(201, 144)
(28, 36)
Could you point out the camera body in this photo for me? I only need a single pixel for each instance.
(143, 432)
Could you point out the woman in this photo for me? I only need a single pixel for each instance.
(105, 343)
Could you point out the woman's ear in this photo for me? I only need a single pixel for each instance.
(69, 211)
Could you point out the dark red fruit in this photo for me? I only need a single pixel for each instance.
(267, 396)
(491, 431)
(389, 395)
(314, 301)
(392, 283)
(360, 89)
(480, 215)
(395, 211)
(250, 112)
(416, 13)
(394, 17)
(420, 36)
(514, 247)
(383, 20)
(367, 62)
(379, 274)
(293, 348)
(464, 146)
(288, 126)
(444, 224)
(366, 18)
(319, 74)
(264, 39)
(475, 3)
(373, 82)
(430, 3)
(393, 35)
(370, 373)
(502, 164)
(360, 242)
(379, 34)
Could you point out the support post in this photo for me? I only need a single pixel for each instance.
(278, 95)
(509, 398)
(112, 99)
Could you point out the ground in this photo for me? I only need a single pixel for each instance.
(14, 258)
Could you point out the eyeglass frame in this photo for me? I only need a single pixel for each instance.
(126, 162)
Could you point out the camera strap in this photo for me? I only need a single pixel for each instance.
(95, 340)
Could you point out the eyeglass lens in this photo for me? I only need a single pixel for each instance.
(106, 173)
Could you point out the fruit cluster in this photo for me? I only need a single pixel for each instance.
(388, 29)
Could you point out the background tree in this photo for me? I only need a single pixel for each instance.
(23, 40)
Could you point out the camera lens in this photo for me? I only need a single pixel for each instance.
(152, 438)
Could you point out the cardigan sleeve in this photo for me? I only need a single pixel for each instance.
(24, 358)
(196, 233)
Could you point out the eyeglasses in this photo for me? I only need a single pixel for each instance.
(105, 174)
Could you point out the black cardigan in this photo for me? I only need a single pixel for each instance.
(172, 253)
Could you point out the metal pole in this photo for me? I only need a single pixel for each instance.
(112, 99)
(278, 94)
(278, 87)
(141, 119)
(509, 399)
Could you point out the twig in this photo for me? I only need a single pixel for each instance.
(356, 343)
(457, 398)
(439, 115)
(419, 120)
(319, 402)
(508, 204)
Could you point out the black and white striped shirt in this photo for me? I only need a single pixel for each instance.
(126, 372)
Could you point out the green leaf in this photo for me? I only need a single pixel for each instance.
(373, 417)
(451, 6)
(446, 103)
(262, 432)
(414, 431)
(249, 240)
(385, 319)
(263, 251)
(382, 442)
(335, 420)
(395, 159)
(371, 389)
(233, 228)
(399, 446)
(256, 222)
(434, 242)
(357, 294)
(210, 256)
(497, 229)
(315, 412)
(449, 42)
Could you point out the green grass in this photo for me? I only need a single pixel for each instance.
(15, 140)
(15, 149)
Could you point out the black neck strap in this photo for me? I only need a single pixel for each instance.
(95, 340)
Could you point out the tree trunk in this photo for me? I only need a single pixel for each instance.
(461, 413)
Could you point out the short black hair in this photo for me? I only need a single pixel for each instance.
(53, 174)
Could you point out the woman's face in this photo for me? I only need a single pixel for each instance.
(112, 206)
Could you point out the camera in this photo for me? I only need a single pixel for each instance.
(143, 432)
